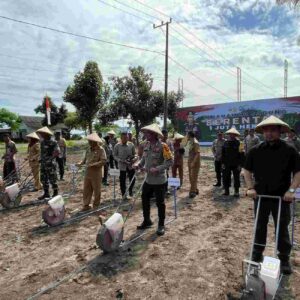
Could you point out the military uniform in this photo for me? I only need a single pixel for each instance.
(124, 154)
(217, 151)
(9, 167)
(95, 159)
(193, 165)
(33, 159)
(160, 157)
(49, 152)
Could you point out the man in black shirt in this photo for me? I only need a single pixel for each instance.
(231, 161)
(272, 163)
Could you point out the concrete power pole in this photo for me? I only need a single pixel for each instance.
(286, 69)
(166, 69)
(180, 88)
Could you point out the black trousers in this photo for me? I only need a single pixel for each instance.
(61, 166)
(105, 175)
(218, 170)
(123, 176)
(227, 176)
(9, 172)
(113, 163)
(159, 191)
(267, 207)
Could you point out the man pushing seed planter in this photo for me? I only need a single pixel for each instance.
(272, 163)
(156, 159)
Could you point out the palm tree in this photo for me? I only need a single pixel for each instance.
(291, 2)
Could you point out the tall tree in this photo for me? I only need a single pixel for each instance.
(72, 121)
(86, 93)
(9, 119)
(58, 114)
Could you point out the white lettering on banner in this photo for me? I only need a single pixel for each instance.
(297, 194)
(114, 172)
(175, 182)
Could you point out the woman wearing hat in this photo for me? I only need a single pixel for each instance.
(33, 158)
(156, 159)
(95, 159)
(49, 153)
(272, 164)
(178, 157)
(231, 161)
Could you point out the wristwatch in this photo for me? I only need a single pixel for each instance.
(292, 190)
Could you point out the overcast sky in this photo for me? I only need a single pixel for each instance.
(257, 36)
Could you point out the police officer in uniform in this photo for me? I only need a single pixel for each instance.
(193, 163)
(231, 162)
(49, 153)
(156, 159)
(94, 159)
(178, 157)
(33, 158)
(217, 152)
(272, 163)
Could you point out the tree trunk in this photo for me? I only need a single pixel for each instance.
(90, 127)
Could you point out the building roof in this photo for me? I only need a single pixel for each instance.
(32, 121)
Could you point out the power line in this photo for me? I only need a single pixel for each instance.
(204, 43)
(79, 35)
(126, 12)
(138, 10)
(196, 76)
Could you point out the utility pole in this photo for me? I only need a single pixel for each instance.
(166, 69)
(180, 88)
(286, 67)
(239, 84)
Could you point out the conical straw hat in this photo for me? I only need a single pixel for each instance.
(33, 135)
(111, 132)
(233, 131)
(178, 136)
(45, 130)
(94, 137)
(153, 128)
(272, 120)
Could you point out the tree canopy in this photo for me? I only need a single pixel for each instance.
(9, 119)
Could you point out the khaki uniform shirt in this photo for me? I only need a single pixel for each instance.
(94, 159)
(194, 149)
(10, 151)
(34, 154)
(156, 156)
(217, 149)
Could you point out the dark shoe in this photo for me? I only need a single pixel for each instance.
(160, 230)
(197, 192)
(55, 193)
(193, 195)
(44, 196)
(217, 184)
(85, 208)
(145, 225)
(285, 267)
(226, 193)
(257, 257)
(105, 183)
(236, 193)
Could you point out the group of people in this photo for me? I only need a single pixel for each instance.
(43, 154)
(270, 167)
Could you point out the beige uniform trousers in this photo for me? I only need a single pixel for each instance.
(193, 175)
(35, 169)
(92, 185)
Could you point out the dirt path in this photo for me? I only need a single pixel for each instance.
(198, 258)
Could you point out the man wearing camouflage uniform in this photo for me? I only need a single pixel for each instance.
(49, 153)
(156, 159)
